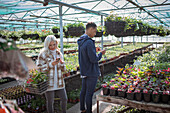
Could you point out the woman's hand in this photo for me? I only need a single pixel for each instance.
(56, 62)
(61, 61)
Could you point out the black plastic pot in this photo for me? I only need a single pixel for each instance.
(122, 94)
(106, 91)
(42, 38)
(71, 73)
(57, 36)
(99, 34)
(147, 97)
(165, 98)
(113, 92)
(74, 72)
(156, 98)
(114, 27)
(130, 96)
(55, 30)
(76, 31)
(139, 96)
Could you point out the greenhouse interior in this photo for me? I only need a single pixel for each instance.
(131, 44)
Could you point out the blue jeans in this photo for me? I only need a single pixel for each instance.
(86, 94)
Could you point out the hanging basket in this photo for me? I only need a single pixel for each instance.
(115, 27)
(99, 34)
(76, 31)
(37, 88)
(55, 30)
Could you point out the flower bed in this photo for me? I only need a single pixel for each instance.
(143, 82)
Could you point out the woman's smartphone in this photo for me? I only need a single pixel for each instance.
(58, 59)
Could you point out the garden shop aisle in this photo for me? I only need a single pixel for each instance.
(104, 107)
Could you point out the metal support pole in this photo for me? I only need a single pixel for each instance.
(102, 30)
(61, 29)
(147, 38)
(133, 40)
(121, 42)
(141, 39)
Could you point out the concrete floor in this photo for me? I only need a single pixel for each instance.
(103, 106)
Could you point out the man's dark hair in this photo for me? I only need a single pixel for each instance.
(91, 24)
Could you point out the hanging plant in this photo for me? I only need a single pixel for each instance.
(99, 32)
(131, 26)
(161, 31)
(55, 29)
(14, 35)
(115, 25)
(76, 29)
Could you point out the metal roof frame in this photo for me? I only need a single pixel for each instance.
(160, 14)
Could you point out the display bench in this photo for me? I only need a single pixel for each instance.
(155, 107)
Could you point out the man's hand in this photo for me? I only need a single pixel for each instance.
(98, 49)
(103, 52)
(56, 62)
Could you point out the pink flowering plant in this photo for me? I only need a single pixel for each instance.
(36, 77)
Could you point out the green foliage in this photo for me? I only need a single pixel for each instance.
(55, 27)
(80, 24)
(99, 28)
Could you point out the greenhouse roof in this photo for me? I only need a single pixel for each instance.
(32, 14)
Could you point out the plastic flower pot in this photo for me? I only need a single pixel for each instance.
(71, 73)
(122, 94)
(147, 97)
(106, 91)
(138, 96)
(55, 30)
(74, 72)
(113, 92)
(165, 98)
(156, 98)
(130, 96)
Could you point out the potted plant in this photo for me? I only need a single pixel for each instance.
(147, 95)
(131, 27)
(156, 96)
(14, 35)
(130, 94)
(76, 29)
(37, 82)
(113, 90)
(165, 96)
(106, 89)
(138, 94)
(122, 91)
(161, 31)
(55, 29)
(99, 32)
(115, 25)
